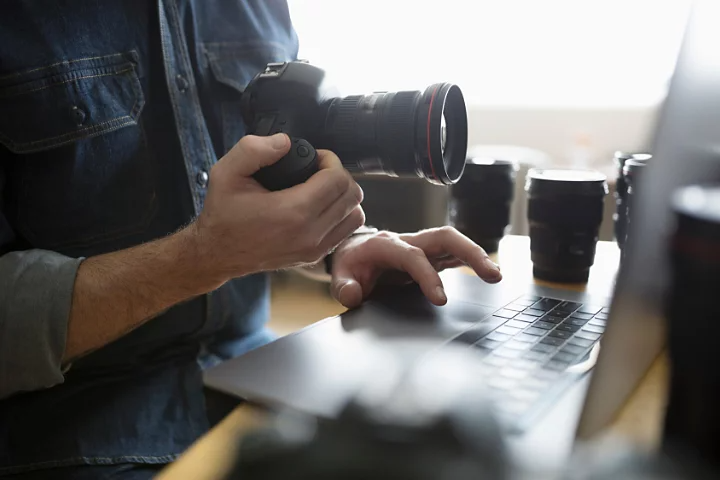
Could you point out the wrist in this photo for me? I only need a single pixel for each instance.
(194, 252)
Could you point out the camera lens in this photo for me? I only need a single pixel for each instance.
(620, 222)
(692, 422)
(480, 201)
(403, 134)
(632, 171)
(565, 209)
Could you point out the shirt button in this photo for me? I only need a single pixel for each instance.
(202, 179)
(79, 116)
(181, 83)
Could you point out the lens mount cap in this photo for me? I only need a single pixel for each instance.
(558, 181)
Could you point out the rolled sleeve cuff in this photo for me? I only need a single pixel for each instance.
(36, 288)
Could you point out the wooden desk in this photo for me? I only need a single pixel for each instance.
(298, 302)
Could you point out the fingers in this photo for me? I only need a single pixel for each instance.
(448, 241)
(324, 189)
(392, 253)
(252, 153)
(348, 292)
(352, 221)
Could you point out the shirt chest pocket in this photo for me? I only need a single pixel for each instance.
(79, 174)
(231, 66)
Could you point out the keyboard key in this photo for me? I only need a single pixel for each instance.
(513, 408)
(499, 337)
(534, 312)
(578, 322)
(487, 344)
(505, 313)
(591, 309)
(566, 327)
(605, 310)
(524, 364)
(582, 316)
(533, 383)
(544, 325)
(524, 395)
(543, 348)
(516, 307)
(581, 342)
(525, 318)
(508, 353)
(553, 341)
(516, 345)
(546, 304)
(538, 332)
(552, 319)
(560, 334)
(593, 329)
(532, 298)
(527, 338)
(511, 372)
(502, 383)
(555, 366)
(573, 349)
(527, 303)
(597, 323)
(564, 357)
(602, 316)
(495, 361)
(547, 375)
(535, 356)
(516, 324)
(568, 307)
(588, 335)
(508, 330)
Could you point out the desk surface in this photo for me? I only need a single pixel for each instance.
(298, 302)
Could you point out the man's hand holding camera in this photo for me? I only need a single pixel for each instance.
(246, 229)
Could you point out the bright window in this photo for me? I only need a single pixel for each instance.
(556, 53)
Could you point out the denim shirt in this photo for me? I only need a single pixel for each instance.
(112, 113)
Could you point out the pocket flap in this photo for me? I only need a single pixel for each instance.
(236, 63)
(57, 104)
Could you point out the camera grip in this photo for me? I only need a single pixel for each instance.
(296, 167)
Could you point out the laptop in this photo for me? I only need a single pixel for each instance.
(588, 352)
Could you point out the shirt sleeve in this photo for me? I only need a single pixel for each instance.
(35, 298)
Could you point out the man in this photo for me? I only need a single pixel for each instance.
(131, 257)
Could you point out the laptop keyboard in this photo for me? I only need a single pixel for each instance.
(528, 346)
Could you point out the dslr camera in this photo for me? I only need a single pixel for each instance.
(401, 134)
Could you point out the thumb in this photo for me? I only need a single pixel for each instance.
(252, 153)
(347, 291)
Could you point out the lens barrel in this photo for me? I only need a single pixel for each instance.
(565, 210)
(692, 423)
(480, 201)
(403, 134)
(620, 221)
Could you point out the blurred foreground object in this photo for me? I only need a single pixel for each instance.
(424, 416)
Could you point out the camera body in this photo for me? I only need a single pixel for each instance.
(393, 133)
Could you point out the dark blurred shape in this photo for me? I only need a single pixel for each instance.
(692, 424)
(565, 210)
(419, 419)
(620, 215)
(632, 172)
(480, 202)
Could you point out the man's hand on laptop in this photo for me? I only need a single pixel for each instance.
(363, 260)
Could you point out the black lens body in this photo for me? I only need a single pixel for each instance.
(565, 210)
(404, 134)
(620, 221)
(692, 423)
(632, 172)
(480, 202)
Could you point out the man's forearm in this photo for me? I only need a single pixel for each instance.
(117, 292)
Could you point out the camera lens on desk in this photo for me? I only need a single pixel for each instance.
(621, 193)
(565, 210)
(692, 423)
(632, 170)
(480, 202)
